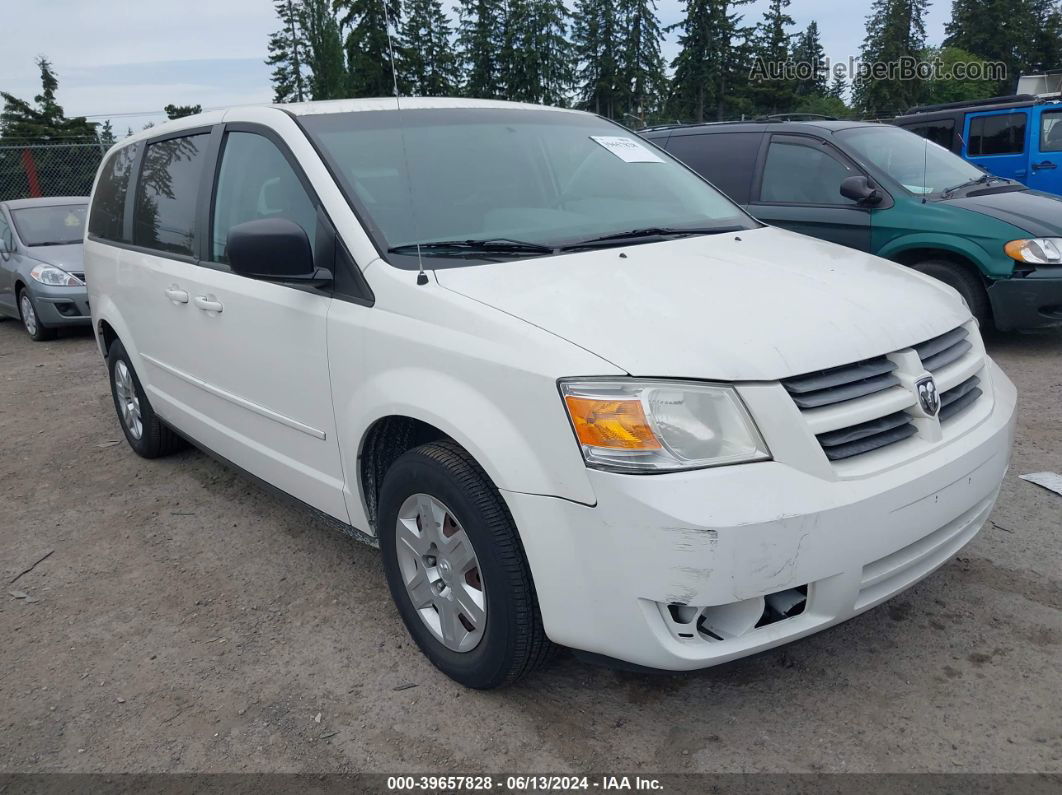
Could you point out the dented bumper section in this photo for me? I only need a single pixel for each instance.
(689, 570)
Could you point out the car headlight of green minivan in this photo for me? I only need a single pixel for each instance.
(660, 426)
(1036, 251)
(55, 277)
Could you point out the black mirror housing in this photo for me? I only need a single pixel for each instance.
(273, 249)
(860, 189)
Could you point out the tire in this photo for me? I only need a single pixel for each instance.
(968, 284)
(31, 321)
(149, 438)
(509, 642)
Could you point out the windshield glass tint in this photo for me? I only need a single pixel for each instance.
(919, 165)
(50, 226)
(420, 176)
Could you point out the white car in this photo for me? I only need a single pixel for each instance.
(574, 393)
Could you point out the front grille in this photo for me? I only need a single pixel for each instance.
(857, 408)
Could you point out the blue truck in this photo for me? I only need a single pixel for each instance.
(1017, 137)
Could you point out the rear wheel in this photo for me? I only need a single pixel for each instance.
(456, 568)
(31, 320)
(142, 428)
(966, 282)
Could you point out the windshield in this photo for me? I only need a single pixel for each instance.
(55, 225)
(542, 179)
(919, 165)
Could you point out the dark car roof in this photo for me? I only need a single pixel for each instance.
(820, 126)
(48, 201)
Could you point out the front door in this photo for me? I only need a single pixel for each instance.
(800, 189)
(1045, 162)
(996, 140)
(8, 262)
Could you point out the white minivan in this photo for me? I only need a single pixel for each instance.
(574, 393)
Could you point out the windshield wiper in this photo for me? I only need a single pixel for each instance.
(498, 246)
(55, 243)
(619, 238)
(981, 180)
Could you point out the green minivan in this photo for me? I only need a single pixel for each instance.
(887, 191)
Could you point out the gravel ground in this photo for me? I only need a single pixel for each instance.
(186, 620)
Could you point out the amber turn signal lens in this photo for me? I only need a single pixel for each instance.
(616, 424)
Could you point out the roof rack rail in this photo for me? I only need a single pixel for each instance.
(971, 103)
(797, 117)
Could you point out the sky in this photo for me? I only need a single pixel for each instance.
(124, 60)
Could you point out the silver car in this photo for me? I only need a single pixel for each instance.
(42, 278)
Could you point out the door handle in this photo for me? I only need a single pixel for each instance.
(207, 304)
(177, 295)
(1046, 164)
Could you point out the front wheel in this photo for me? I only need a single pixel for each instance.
(456, 568)
(965, 282)
(31, 320)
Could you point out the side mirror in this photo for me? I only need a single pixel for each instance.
(860, 189)
(273, 249)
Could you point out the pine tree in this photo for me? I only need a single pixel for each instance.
(641, 65)
(711, 67)
(323, 50)
(287, 54)
(596, 40)
(480, 36)
(839, 87)
(772, 45)
(536, 57)
(105, 135)
(24, 121)
(895, 30)
(1043, 48)
(808, 50)
(180, 111)
(429, 66)
(370, 70)
(990, 29)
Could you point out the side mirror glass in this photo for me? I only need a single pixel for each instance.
(273, 249)
(860, 189)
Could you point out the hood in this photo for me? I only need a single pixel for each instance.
(70, 258)
(755, 305)
(1039, 214)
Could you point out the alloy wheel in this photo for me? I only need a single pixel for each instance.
(29, 316)
(128, 401)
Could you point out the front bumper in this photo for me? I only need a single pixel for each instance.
(1029, 302)
(606, 574)
(61, 306)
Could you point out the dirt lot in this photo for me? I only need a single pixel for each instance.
(186, 620)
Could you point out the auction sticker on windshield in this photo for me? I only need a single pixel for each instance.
(627, 149)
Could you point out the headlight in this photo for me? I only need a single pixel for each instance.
(660, 426)
(1037, 251)
(55, 277)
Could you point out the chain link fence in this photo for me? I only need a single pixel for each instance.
(29, 169)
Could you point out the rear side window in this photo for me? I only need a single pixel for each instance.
(727, 160)
(801, 173)
(997, 135)
(1051, 131)
(940, 132)
(256, 181)
(106, 219)
(164, 213)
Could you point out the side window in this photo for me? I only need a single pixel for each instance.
(803, 173)
(940, 132)
(727, 160)
(256, 181)
(107, 216)
(164, 213)
(7, 239)
(1051, 131)
(1002, 134)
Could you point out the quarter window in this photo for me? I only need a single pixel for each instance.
(256, 181)
(1003, 134)
(798, 173)
(7, 240)
(1051, 131)
(164, 216)
(107, 217)
(727, 160)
